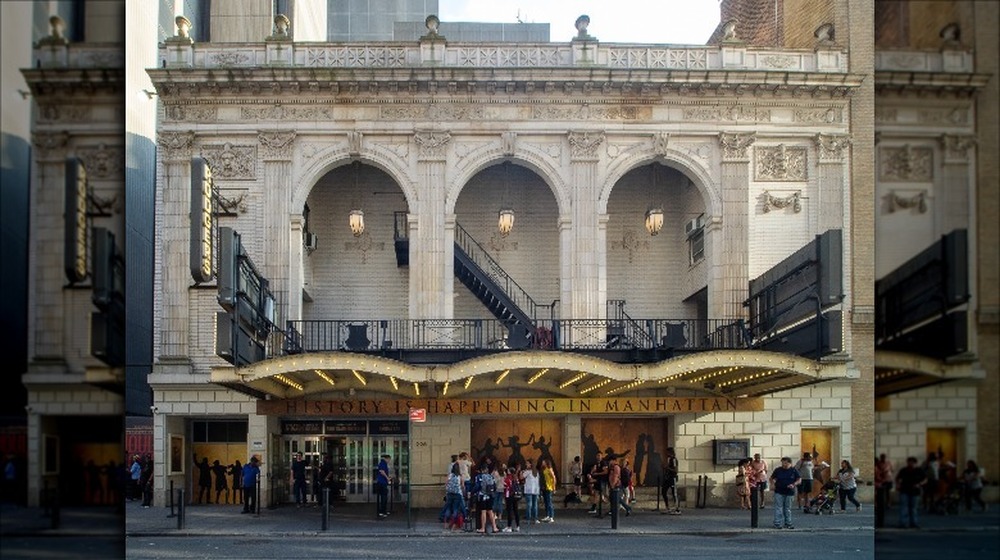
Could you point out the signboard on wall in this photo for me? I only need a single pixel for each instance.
(501, 407)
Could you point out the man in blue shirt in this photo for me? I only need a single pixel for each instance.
(382, 486)
(250, 473)
(785, 480)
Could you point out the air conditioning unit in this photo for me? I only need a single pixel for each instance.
(310, 241)
(694, 225)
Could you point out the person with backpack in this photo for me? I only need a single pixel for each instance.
(454, 509)
(483, 488)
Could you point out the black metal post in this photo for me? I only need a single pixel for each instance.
(325, 509)
(880, 505)
(256, 502)
(753, 507)
(180, 508)
(170, 499)
(697, 495)
(615, 498)
(659, 490)
(55, 508)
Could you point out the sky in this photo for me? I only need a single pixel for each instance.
(685, 22)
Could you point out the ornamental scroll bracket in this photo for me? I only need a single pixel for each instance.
(792, 201)
(916, 201)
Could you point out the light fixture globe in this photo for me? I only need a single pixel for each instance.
(654, 220)
(506, 222)
(357, 221)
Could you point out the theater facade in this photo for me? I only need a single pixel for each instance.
(537, 250)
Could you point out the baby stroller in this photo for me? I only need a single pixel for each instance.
(824, 501)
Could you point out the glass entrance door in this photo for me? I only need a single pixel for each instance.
(309, 447)
(350, 467)
(396, 448)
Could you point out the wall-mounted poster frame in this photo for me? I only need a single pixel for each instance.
(730, 451)
(176, 454)
(50, 455)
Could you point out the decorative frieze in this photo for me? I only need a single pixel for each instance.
(832, 147)
(230, 58)
(101, 162)
(432, 144)
(356, 57)
(286, 113)
(438, 112)
(175, 145)
(733, 113)
(792, 201)
(589, 112)
(735, 145)
(907, 200)
(906, 163)
(819, 115)
(276, 145)
(583, 145)
(237, 163)
(63, 113)
(193, 113)
(956, 148)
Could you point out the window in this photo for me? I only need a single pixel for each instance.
(695, 232)
(220, 431)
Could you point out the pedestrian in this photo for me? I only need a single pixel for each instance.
(236, 471)
(884, 479)
(10, 479)
(805, 468)
(454, 514)
(576, 471)
(204, 479)
(465, 471)
(972, 476)
(598, 474)
(785, 480)
(251, 471)
(910, 481)
(848, 486)
(299, 479)
(484, 488)
(135, 473)
(628, 490)
(617, 486)
(146, 481)
(382, 479)
(220, 481)
(671, 471)
(498, 475)
(513, 491)
(548, 487)
(532, 489)
(758, 470)
(931, 469)
(742, 484)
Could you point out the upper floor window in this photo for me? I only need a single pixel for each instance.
(695, 233)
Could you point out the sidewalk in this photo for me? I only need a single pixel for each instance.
(360, 520)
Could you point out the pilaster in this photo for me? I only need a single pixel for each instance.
(276, 149)
(733, 258)
(173, 247)
(433, 267)
(588, 254)
(953, 188)
(831, 173)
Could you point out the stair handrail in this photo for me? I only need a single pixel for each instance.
(490, 266)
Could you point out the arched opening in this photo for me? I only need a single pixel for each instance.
(348, 276)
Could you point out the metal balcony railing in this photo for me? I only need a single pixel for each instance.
(492, 335)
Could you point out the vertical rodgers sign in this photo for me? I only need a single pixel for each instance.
(644, 405)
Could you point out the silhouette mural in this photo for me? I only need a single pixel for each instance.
(518, 440)
(642, 440)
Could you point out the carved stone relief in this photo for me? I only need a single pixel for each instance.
(906, 163)
(915, 201)
(820, 115)
(276, 144)
(551, 150)
(63, 113)
(735, 145)
(780, 163)
(633, 243)
(399, 149)
(197, 113)
(956, 148)
(507, 140)
(792, 201)
(101, 162)
(432, 144)
(438, 112)
(282, 112)
(661, 142)
(354, 140)
(49, 143)
(700, 150)
(589, 112)
(583, 145)
(231, 162)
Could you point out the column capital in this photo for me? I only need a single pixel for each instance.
(735, 146)
(276, 144)
(176, 146)
(957, 147)
(832, 147)
(583, 145)
(433, 144)
(50, 145)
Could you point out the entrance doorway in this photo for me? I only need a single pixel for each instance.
(945, 442)
(819, 443)
(355, 460)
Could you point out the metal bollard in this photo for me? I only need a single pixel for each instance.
(170, 499)
(880, 505)
(615, 499)
(754, 507)
(325, 509)
(659, 486)
(180, 509)
(45, 499)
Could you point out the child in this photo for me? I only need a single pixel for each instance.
(742, 485)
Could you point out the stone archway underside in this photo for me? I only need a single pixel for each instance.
(718, 373)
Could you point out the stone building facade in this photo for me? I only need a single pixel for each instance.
(746, 154)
